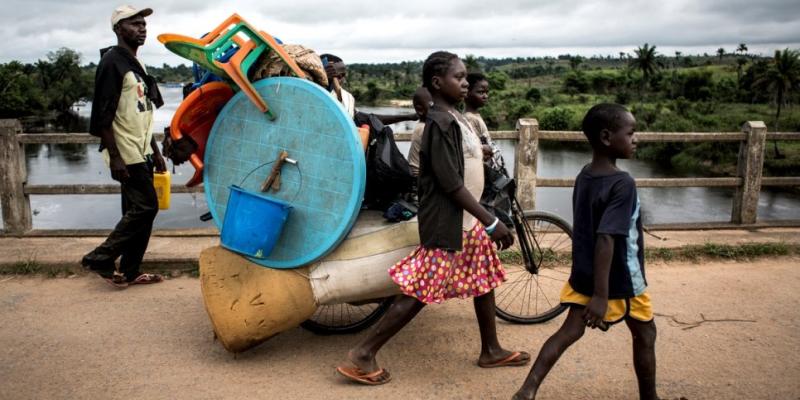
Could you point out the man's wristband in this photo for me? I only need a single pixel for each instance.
(490, 229)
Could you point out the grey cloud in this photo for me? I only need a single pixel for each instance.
(754, 12)
(372, 29)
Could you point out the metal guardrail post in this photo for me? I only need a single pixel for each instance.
(13, 175)
(526, 162)
(749, 168)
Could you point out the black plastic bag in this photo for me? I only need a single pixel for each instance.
(388, 174)
(497, 193)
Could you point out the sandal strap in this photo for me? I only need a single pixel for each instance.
(375, 374)
(145, 277)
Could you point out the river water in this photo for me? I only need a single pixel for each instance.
(75, 164)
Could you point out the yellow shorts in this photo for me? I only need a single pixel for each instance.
(638, 308)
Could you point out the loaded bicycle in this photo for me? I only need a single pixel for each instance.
(537, 266)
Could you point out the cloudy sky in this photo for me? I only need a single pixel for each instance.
(379, 31)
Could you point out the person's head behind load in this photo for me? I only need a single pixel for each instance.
(334, 67)
(422, 102)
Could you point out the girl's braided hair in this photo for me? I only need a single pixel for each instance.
(436, 64)
(475, 77)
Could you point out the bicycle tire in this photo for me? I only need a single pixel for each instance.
(341, 319)
(552, 254)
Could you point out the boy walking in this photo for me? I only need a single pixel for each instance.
(607, 284)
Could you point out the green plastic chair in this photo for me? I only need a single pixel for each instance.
(208, 52)
(237, 68)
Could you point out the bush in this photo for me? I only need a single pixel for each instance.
(697, 85)
(682, 106)
(556, 119)
(671, 123)
(575, 83)
(622, 97)
(646, 115)
(534, 95)
(519, 109)
(497, 80)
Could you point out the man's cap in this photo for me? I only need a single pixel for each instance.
(127, 11)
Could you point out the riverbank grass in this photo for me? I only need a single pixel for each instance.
(708, 251)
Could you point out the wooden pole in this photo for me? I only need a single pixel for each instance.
(749, 168)
(525, 163)
(13, 175)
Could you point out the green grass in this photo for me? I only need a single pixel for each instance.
(27, 267)
(708, 251)
(32, 267)
(746, 251)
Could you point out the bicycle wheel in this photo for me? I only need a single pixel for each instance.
(338, 319)
(531, 293)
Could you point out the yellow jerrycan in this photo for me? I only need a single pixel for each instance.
(161, 181)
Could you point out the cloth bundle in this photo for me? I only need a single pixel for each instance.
(306, 59)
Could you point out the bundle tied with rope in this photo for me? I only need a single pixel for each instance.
(307, 59)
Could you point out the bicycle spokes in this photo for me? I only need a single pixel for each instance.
(531, 292)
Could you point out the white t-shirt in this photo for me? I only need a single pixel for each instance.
(473, 166)
(133, 122)
(413, 150)
(348, 101)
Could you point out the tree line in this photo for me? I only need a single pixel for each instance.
(549, 88)
(50, 87)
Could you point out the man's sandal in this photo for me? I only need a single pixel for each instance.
(145, 279)
(116, 280)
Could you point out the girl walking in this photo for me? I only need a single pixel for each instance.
(456, 257)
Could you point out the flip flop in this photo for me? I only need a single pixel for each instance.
(379, 377)
(514, 359)
(116, 280)
(145, 279)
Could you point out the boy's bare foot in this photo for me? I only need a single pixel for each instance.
(362, 360)
(365, 369)
(503, 358)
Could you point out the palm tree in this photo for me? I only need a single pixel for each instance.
(471, 62)
(781, 78)
(740, 63)
(574, 62)
(646, 62)
(742, 49)
(720, 53)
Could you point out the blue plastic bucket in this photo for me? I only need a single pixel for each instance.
(253, 222)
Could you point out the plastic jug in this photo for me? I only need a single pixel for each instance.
(161, 181)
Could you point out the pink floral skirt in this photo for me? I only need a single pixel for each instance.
(435, 275)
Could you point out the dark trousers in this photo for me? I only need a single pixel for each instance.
(132, 234)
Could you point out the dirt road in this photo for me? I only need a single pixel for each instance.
(76, 338)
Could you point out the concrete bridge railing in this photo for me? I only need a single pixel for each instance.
(15, 191)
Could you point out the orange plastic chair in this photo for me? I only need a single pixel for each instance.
(233, 68)
(195, 117)
(206, 51)
(206, 40)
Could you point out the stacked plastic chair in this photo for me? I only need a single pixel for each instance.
(229, 52)
(213, 52)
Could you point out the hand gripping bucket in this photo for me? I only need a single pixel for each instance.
(253, 222)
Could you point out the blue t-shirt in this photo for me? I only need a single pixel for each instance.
(607, 204)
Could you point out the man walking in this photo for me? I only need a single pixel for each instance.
(122, 116)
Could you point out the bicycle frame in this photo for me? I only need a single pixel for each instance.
(524, 231)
